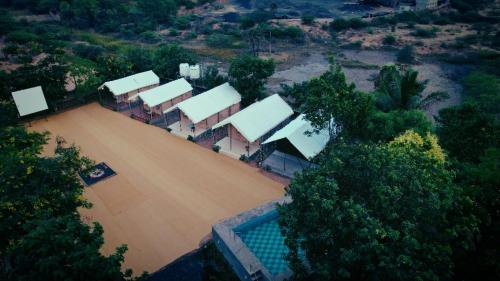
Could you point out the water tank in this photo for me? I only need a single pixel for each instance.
(194, 71)
(184, 69)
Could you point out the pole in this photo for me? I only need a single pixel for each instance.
(270, 51)
(230, 139)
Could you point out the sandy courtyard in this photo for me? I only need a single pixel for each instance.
(167, 192)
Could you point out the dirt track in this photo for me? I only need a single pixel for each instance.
(168, 191)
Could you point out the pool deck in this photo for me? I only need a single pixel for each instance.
(245, 264)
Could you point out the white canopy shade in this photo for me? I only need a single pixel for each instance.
(131, 83)
(300, 133)
(259, 118)
(204, 105)
(30, 101)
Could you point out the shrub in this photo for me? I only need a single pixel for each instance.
(389, 39)
(169, 130)
(149, 36)
(190, 138)
(343, 24)
(183, 22)
(21, 37)
(308, 19)
(222, 41)
(406, 55)
(173, 32)
(243, 158)
(216, 148)
(424, 33)
(88, 51)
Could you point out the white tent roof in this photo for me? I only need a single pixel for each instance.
(204, 105)
(296, 133)
(30, 101)
(133, 82)
(165, 92)
(259, 118)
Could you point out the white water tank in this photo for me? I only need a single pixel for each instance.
(184, 69)
(194, 71)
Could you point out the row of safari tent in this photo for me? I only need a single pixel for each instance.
(267, 131)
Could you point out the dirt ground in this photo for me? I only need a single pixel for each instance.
(167, 192)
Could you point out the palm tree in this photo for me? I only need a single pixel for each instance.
(396, 90)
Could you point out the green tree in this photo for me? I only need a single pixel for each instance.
(64, 248)
(384, 126)
(483, 88)
(212, 78)
(466, 131)
(375, 212)
(50, 73)
(248, 74)
(31, 184)
(330, 97)
(396, 90)
(41, 235)
(159, 10)
(168, 57)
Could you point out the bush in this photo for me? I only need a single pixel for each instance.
(424, 33)
(243, 158)
(149, 36)
(406, 55)
(222, 41)
(190, 138)
(343, 24)
(169, 130)
(216, 148)
(173, 32)
(88, 51)
(389, 40)
(21, 37)
(183, 22)
(308, 19)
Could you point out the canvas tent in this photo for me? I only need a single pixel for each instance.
(158, 99)
(300, 133)
(201, 112)
(124, 88)
(247, 127)
(30, 101)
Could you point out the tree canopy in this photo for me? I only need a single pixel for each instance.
(248, 74)
(389, 207)
(41, 234)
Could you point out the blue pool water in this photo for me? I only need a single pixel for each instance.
(263, 237)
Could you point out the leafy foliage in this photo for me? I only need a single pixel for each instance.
(374, 212)
(168, 58)
(248, 74)
(466, 131)
(396, 90)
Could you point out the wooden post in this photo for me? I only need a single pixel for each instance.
(230, 139)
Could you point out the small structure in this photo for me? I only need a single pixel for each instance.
(156, 100)
(295, 144)
(30, 101)
(426, 4)
(124, 88)
(245, 130)
(199, 113)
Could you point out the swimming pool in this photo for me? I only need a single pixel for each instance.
(252, 243)
(263, 237)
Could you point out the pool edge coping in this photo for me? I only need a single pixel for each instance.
(245, 258)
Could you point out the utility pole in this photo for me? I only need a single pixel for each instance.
(270, 38)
